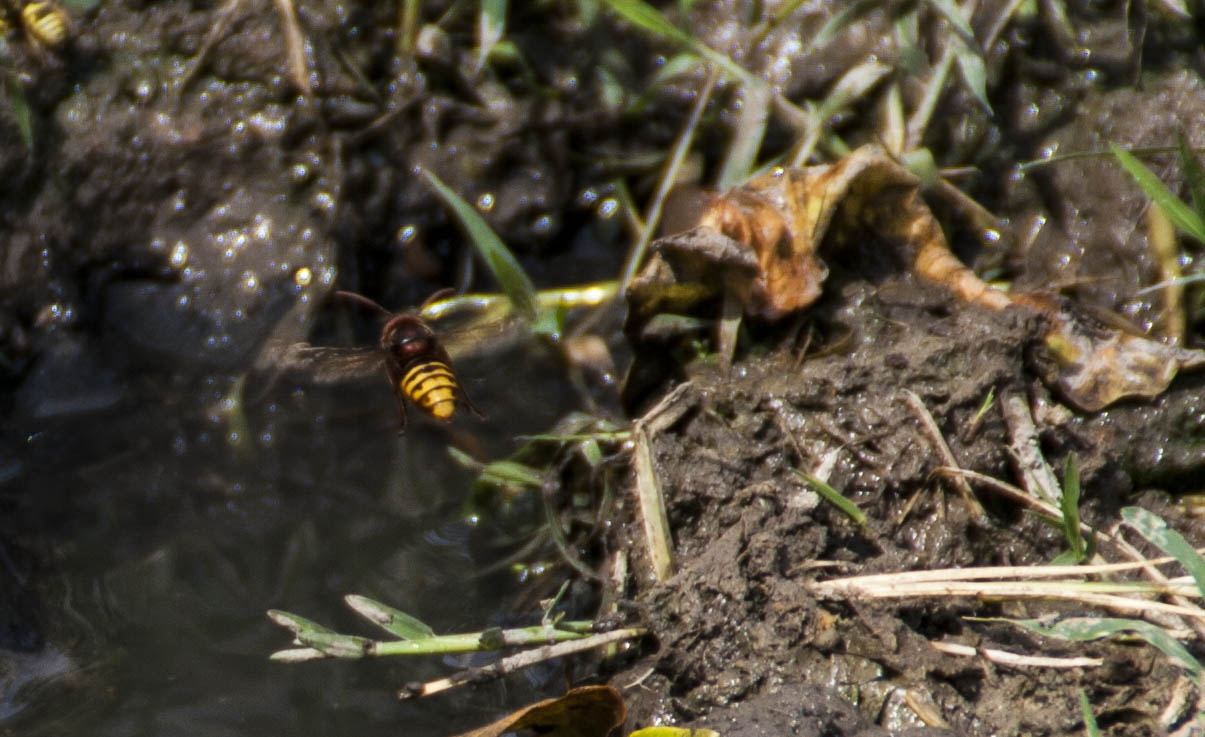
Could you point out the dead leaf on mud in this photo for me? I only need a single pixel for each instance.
(589, 711)
(757, 245)
(1098, 365)
(759, 241)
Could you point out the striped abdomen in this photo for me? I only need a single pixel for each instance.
(432, 386)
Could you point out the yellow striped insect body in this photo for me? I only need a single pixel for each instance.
(46, 24)
(414, 355)
(416, 361)
(420, 370)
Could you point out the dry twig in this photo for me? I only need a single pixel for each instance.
(1014, 660)
(943, 449)
(516, 662)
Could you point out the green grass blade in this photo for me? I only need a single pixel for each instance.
(592, 452)
(491, 25)
(912, 58)
(511, 473)
(919, 163)
(988, 401)
(1065, 558)
(1156, 531)
(851, 87)
(974, 72)
(649, 19)
(335, 645)
(1181, 215)
(833, 497)
(1089, 718)
(676, 66)
(393, 621)
(295, 623)
(953, 15)
(20, 109)
(1193, 174)
(464, 460)
(747, 138)
(1069, 504)
(1084, 629)
(497, 257)
(838, 23)
(587, 12)
(499, 473)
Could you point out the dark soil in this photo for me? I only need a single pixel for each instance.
(737, 618)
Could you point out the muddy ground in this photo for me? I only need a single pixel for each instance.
(175, 192)
(737, 619)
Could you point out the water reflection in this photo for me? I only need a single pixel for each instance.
(164, 545)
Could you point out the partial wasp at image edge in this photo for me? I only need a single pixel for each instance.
(46, 25)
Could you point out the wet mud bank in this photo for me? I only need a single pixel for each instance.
(742, 631)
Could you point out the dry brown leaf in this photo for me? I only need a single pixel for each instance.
(758, 245)
(589, 711)
(1097, 364)
(759, 241)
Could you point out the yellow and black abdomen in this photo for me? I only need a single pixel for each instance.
(433, 388)
(45, 23)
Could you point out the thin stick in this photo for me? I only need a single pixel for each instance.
(668, 179)
(1148, 568)
(904, 586)
(1004, 489)
(657, 537)
(1019, 496)
(998, 25)
(516, 662)
(1014, 660)
(1036, 475)
(221, 24)
(294, 46)
(1060, 590)
(939, 443)
(652, 509)
(933, 88)
(1001, 572)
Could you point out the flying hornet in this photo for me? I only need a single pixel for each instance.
(416, 362)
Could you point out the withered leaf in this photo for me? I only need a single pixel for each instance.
(1097, 364)
(759, 242)
(758, 245)
(589, 711)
